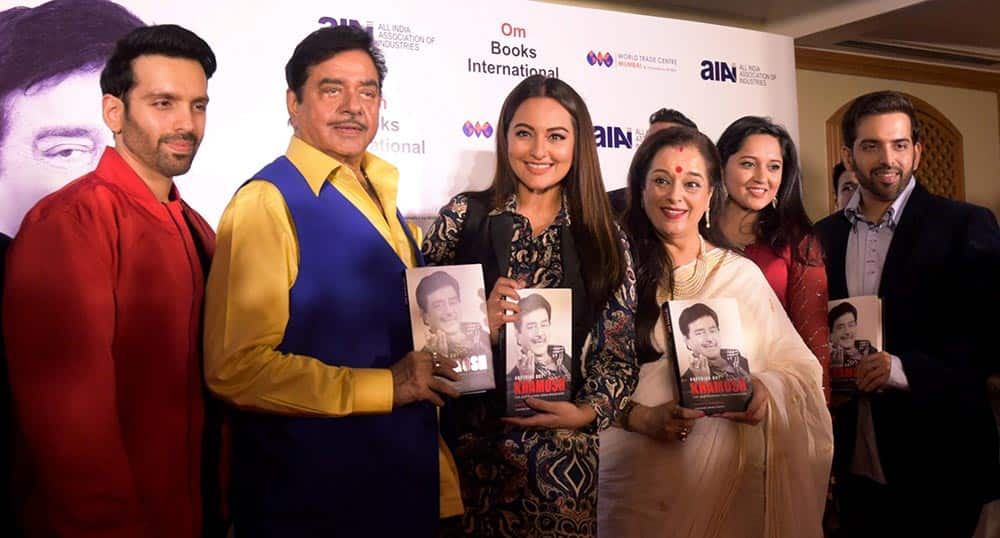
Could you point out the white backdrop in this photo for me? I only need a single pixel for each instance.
(625, 66)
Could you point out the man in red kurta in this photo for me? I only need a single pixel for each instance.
(102, 317)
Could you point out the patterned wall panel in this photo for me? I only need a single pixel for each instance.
(942, 164)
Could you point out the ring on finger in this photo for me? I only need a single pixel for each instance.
(434, 358)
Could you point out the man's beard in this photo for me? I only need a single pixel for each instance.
(170, 164)
(156, 155)
(877, 190)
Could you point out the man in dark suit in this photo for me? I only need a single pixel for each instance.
(663, 118)
(917, 450)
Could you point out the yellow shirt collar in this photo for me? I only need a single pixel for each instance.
(318, 167)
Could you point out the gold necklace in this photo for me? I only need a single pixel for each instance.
(689, 278)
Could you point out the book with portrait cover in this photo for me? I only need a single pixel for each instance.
(713, 375)
(855, 331)
(538, 349)
(448, 316)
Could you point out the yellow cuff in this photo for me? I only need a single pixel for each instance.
(372, 390)
(451, 495)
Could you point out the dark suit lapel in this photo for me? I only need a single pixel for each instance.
(501, 233)
(836, 257)
(904, 239)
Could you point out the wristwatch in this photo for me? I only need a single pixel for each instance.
(626, 413)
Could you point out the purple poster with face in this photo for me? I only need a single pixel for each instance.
(51, 130)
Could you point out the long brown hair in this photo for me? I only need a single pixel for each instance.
(787, 223)
(592, 223)
(653, 264)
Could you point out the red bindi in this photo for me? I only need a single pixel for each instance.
(680, 148)
(679, 169)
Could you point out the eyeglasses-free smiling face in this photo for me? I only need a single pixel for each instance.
(339, 110)
(884, 156)
(443, 310)
(540, 144)
(163, 118)
(753, 173)
(533, 332)
(843, 332)
(677, 192)
(703, 337)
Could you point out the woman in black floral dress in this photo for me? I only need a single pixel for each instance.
(544, 222)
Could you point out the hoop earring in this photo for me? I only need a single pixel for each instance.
(774, 202)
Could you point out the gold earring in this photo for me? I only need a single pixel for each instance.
(774, 202)
(708, 217)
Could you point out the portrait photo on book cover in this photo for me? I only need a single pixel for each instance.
(541, 337)
(448, 314)
(708, 342)
(713, 374)
(537, 348)
(855, 330)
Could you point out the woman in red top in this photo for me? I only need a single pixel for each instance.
(764, 216)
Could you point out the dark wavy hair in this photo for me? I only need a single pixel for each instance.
(600, 251)
(433, 282)
(170, 40)
(871, 104)
(530, 303)
(669, 115)
(788, 224)
(840, 310)
(325, 43)
(47, 43)
(653, 264)
(694, 313)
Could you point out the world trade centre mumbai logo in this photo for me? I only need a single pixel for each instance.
(484, 129)
(600, 58)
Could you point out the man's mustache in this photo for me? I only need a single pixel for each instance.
(349, 123)
(881, 169)
(186, 137)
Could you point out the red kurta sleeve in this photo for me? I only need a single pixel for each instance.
(59, 325)
(807, 304)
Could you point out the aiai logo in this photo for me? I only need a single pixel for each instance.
(600, 58)
(484, 130)
(718, 71)
(610, 136)
(334, 21)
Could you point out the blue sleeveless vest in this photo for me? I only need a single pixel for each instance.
(363, 475)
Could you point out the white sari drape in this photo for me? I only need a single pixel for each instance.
(727, 479)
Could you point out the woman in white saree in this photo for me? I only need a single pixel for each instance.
(666, 471)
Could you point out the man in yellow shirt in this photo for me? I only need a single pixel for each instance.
(307, 333)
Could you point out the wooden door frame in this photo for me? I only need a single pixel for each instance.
(834, 141)
(892, 69)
